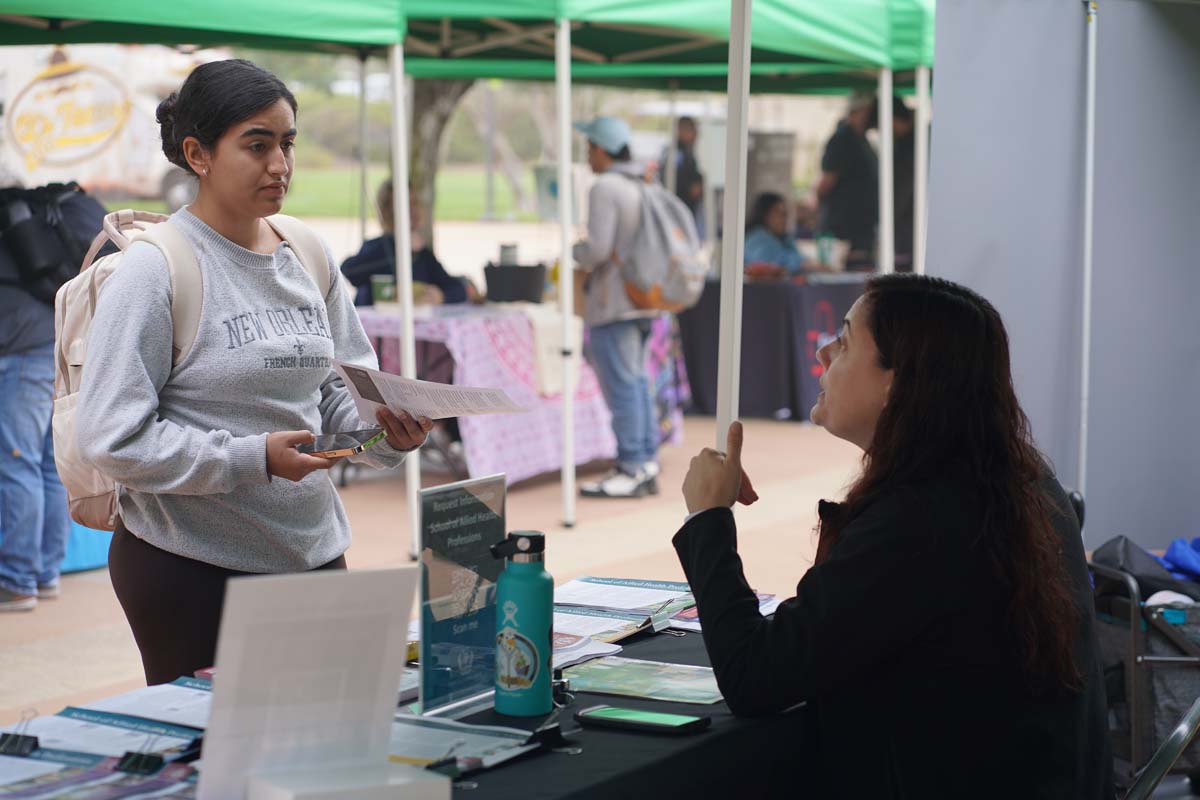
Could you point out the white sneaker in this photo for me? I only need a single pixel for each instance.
(616, 484)
(11, 601)
(651, 469)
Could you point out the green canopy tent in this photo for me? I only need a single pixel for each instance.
(792, 46)
(794, 41)
(306, 25)
(664, 44)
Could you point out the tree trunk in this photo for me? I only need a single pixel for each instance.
(510, 165)
(433, 104)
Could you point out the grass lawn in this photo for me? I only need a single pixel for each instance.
(333, 192)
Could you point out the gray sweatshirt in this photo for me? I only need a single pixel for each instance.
(188, 442)
(614, 214)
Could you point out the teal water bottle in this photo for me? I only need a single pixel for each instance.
(524, 619)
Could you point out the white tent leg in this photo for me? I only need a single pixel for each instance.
(887, 212)
(364, 161)
(566, 277)
(670, 169)
(489, 154)
(733, 244)
(404, 292)
(1089, 179)
(921, 172)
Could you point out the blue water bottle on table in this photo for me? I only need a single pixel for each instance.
(524, 622)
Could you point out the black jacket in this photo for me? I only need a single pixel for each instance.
(898, 643)
(378, 257)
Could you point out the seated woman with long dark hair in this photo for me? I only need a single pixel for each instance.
(944, 636)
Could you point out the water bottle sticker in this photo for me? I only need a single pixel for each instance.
(517, 660)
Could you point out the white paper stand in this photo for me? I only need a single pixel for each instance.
(385, 782)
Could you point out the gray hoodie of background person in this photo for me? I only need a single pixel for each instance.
(614, 214)
(187, 441)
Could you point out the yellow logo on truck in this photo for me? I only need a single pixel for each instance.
(68, 113)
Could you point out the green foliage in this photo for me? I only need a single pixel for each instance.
(332, 122)
(312, 70)
(333, 192)
(464, 145)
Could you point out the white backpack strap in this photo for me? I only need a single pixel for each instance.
(114, 230)
(187, 284)
(307, 247)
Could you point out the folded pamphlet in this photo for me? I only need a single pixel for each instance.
(372, 390)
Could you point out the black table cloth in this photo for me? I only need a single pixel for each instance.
(734, 758)
(783, 325)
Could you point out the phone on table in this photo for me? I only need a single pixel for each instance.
(338, 445)
(631, 719)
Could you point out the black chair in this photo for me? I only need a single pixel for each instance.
(1077, 504)
(1167, 754)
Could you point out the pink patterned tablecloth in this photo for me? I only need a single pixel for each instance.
(494, 348)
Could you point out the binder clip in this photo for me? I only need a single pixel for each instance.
(141, 762)
(448, 764)
(550, 737)
(191, 752)
(18, 743)
(560, 689)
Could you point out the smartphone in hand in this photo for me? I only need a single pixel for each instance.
(339, 445)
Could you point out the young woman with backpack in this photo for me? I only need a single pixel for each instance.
(944, 638)
(205, 447)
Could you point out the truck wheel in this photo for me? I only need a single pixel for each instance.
(178, 189)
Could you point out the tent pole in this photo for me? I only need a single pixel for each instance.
(887, 212)
(404, 291)
(489, 198)
(921, 172)
(566, 277)
(1089, 179)
(364, 183)
(670, 170)
(733, 244)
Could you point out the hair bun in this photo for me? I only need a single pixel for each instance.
(165, 115)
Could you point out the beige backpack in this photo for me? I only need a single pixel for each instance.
(93, 496)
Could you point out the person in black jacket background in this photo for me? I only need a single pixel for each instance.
(378, 257)
(44, 233)
(944, 637)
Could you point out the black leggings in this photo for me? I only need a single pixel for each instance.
(173, 604)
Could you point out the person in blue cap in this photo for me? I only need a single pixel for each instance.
(618, 331)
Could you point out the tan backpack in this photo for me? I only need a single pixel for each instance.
(93, 496)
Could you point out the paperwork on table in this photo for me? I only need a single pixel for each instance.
(659, 600)
(14, 769)
(187, 701)
(423, 740)
(372, 390)
(689, 619)
(98, 779)
(653, 680)
(98, 732)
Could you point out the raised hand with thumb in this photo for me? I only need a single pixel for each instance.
(716, 480)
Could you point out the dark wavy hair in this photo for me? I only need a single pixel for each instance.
(215, 97)
(952, 402)
(761, 208)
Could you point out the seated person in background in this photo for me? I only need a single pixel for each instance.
(769, 252)
(378, 257)
(944, 637)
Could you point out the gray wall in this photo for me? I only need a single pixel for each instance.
(1006, 215)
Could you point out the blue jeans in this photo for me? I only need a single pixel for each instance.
(33, 503)
(617, 352)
